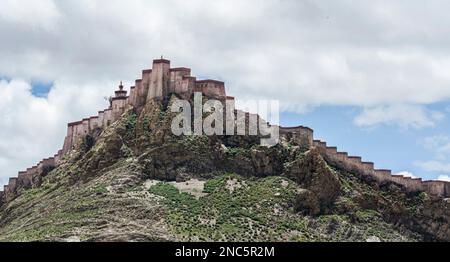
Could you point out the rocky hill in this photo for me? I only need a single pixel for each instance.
(135, 181)
(132, 179)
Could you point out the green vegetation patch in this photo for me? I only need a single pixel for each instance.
(234, 209)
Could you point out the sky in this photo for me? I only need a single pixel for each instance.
(371, 77)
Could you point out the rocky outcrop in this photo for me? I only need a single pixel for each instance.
(307, 203)
(313, 173)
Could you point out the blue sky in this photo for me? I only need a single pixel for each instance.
(388, 146)
(370, 77)
(41, 89)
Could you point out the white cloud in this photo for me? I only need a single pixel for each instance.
(439, 145)
(406, 174)
(33, 128)
(444, 178)
(403, 115)
(41, 14)
(434, 166)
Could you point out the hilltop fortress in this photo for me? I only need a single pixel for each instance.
(161, 81)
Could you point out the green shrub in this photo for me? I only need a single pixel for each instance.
(130, 124)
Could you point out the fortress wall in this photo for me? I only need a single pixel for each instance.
(68, 139)
(368, 165)
(355, 165)
(446, 189)
(12, 185)
(241, 117)
(160, 79)
(146, 75)
(176, 79)
(118, 107)
(73, 131)
(6, 196)
(341, 160)
(32, 170)
(411, 185)
(34, 174)
(355, 160)
(300, 135)
(253, 124)
(263, 126)
(25, 180)
(93, 123)
(436, 188)
(198, 87)
(143, 86)
(384, 172)
(132, 97)
(40, 166)
(317, 143)
(342, 157)
(140, 93)
(383, 175)
(212, 88)
(85, 126)
(187, 87)
(49, 162)
(76, 130)
(10, 190)
(414, 184)
(57, 157)
(101, 115)
(331, 150)
(229, 112)
(108, 118)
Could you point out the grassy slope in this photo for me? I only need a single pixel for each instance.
(256, 210)
(261, 210)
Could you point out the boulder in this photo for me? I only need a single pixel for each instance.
(306, 202)
(312, 173)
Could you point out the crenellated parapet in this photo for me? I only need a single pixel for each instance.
(299, 136)
(30, 178)
(354, 164)
(211, 88)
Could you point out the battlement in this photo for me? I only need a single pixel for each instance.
(161, 61)
(211, 88)
(354, 164)
(181, 69)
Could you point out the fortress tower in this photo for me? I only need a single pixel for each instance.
(119, 102)
(159, 80)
